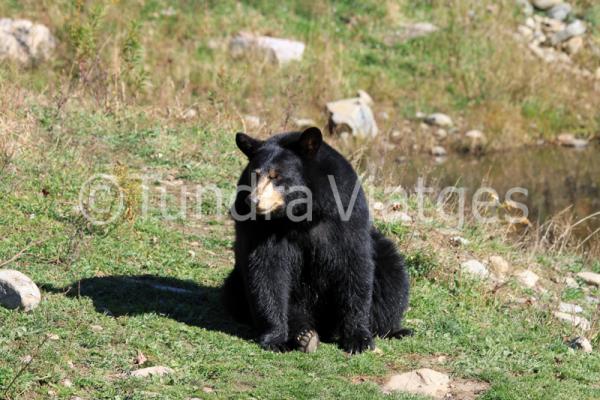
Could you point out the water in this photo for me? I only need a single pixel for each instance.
(557, 179)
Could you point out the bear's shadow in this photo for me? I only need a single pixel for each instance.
(181, 300)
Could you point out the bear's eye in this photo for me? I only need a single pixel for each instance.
(273, 174)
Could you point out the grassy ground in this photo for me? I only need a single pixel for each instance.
(112, 103)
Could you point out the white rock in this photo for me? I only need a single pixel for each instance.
(352, 115)
(526, 6)
(23, 41)
(568, 140)
(459, 241)
(544, 4)
(365, 97)
(560, 11)
(499, 265)
(439, 119)
(592, 300)
(424, 381)
(591, 278)
(18, 291)
(528, 278)
(578, 322)
(280, 51)
(441, 134)
(410, 31)
(399, 216)
(190, 113)
(438, 151)
(151, 371)
(476, 268)
(252, 121)
(571, 283)
(574, 45)
(575, 28)
(569, 308)
(581, 343)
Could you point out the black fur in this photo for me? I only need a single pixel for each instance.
(343, 279)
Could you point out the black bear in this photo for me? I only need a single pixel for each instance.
(308, 261)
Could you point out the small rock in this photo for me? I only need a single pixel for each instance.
(592, 300)
(303, 123)
(399, 216)
(396, 134)
(18, 291)
(590, 278)
(544, 4)
(499, 265)
(190, 113)
(578, 322)
(352, 115)
(67, 383)
(151, 371)
(252, 121)
(140, 359)
(24, 41)
(280, 51)
(476, 268)
(571, 283)
(526, 7)
(475, 135)
(208, 389)
(26, 359)
(438, 151)
(52, 336)
(378, 206)
(581, 343)
(569, 308)
(441, 134)
(575, 28)
(459, 241)
(568, 140)
(439, 119)
(191, 253)
(424, 381)
(528, 278)
(96, 328)
(410, 31)
(560, 11)
(573, 45)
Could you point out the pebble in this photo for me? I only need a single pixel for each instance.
(576, 321)
(560, 11)
(439, 119)
(590, 278)
(151, 371)
(459, 241)
(544, 4)
(528, 278)
(438, 151)
(499, 265)
(476, 268)
(569, 308)
(581, 343)
(571, 283)
(575, 28)
(18, 291)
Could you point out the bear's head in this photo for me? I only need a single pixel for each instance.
(278, 167)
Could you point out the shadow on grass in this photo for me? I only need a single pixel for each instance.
(183, 301)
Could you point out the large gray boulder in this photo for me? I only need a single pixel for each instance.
(18, 291)
(353, 115)
(24, 41)
(279, 51)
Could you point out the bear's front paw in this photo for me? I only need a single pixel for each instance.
(358, 342)
(274, 341)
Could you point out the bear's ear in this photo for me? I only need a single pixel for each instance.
(246, 144)
(310, 142)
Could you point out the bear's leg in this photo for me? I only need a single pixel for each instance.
(301, 328)
(353, 287)
(390, 289)
(271, 266)
(234, 297)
